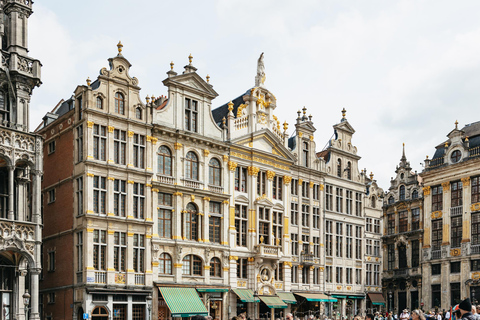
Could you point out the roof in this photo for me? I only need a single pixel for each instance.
(222, 111)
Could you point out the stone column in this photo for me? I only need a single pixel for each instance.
(446, 213)
(130, 278)
(467, 200)
(110, 262)
(11, 190)
(34, 294)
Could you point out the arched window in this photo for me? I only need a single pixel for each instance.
(402, 193)
(119, 103)
(99, 102)
(215, 172)
(192, 265)
(391, 200)
(164, 161)
(339, 168)
(414, 194)
(374, 202)
(165, 264)
(191, 222)
(99, 313)
(215, 268)
(305, 154)
(349, 171)
(138, 113)
(191, 166)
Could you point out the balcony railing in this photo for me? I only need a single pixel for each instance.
(475, 249)
(308, 259)
(140, 279)
(265, 249)
(100, 277)
(401, 272)
(165, 179)
(436, 254)
(193, 184)
(215, 189)
(456, 211)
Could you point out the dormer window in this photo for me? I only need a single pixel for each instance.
(138, 113)
(305, 154)
(414, 194)
(339, 168)
(402, 193)
(349, 171)
(99, 103)
(191, 115)
(119, 103)
(391, 200)
(456, 156)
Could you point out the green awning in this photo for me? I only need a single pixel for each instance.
(339, 296)
(245, 295)
(287, 297)
(211, 290)
(316, 297)
(183, 302)
(273, 302)
(377, 299)
(356, 297)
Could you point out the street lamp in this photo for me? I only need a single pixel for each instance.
(390, 295)
(149, 305)
(255, 298)
(26, 302)
(329, 305)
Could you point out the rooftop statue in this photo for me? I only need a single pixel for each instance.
(260, 78)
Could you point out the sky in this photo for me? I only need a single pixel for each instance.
(405, 71)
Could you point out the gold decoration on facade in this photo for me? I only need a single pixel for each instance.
(253, 171)
(190, 58)
(455, 252)
(287, 263)
(233, 258)
(225, 202)
(285, 126)
(436, 215)
(192, 196)
(300, 134)
(225, 158)
(89, 82)
(287, 179)
(119, 47)
(475, 275)
(426, 191)
(154, 140)
(322, 187)
(311, 184)
(208, 78)
(130, 134)
(155, 190)
(206, 198)
(446, 186)
(300, 181)
(178, 194)
(232, 165)
(90, 175)
(311, 138)
(177, 145)
(466, 181)
(111, 129)
(270, 174)
(278, 241)
(240, 110)
(206, 152)
(251, 259)
(90, 124)
(230, 105)
(262, 239)
(475, 207)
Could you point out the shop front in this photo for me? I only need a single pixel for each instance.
(375, 302)
(316, 304)
(180, 302)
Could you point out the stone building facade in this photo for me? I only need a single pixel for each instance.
(402, 240)
(451, 247)
(20, 168)
(169, 198)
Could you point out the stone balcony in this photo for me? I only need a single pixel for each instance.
(308, 259)
(267, 251)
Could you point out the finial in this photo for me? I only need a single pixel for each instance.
(310, 117)
(208, 78)
(190, 58)
(466, 139)
(343, 113)
(230, 106)
(88, 81)
(427, 156)
(119, 46)
(371, 175)
(456, 124)
(299, 112)
(171, 65)
(446, 144)
(224, 121)
(304, 110)
(147, 98)
(285, 126)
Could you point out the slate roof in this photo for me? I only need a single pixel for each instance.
(222, 111)
(472, 131)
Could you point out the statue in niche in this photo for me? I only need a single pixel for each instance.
(260, 78)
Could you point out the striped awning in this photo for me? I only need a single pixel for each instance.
(316, 297)
(287, 297)
(273, 302)
(377, 299)
(212, 290)
(183, 302)
(245, 295)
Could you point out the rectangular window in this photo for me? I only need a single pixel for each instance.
(79, 196)
(328, 274)
(295, 274)
(99, 194)
(415, 219)
(475, 265)
(437, 198)
(358, 276)
(475, 228)
(277, 188)
(138, 200)
(139, 151)
(51, 195)
(348, 201)
(349, 241)
(316, 217)
(305, 244)
(391, 223)
(349, 276)
(242, 268)
(51, 261)
(79, 251)
(119, 146)
(455, 267)
(80, 107)
(215, 222)
(305, 275)
(455, 293)
(376, 275)
(369, 225)
(457, 194)
(316, 276)
(99, 249)
(391, 256)
(305, 189)
(475, 189)
(294, 189)
(99, 142)
(241, 225)
(191, 115)
(241, 179)
(294, 237)
(305, 215)
(403, 221)
(119, 197)
(358, 243)
(368, 247)
(139, 253)
(51, 147)
(338, 275)
(294, 213)
(165, 209)
(415, 253)
(358, 204)
(261, 183)
(456, 231)
(277, 227)
(436, 295)
(316, 192)
(339, 240)
(79, 143)
(329, 197)
(119, 251)
(368, 274)
(436, 269)
(279, 272)
(329, 238)
(339, 200)
(437, 226)
(316, 247)
(377, 226)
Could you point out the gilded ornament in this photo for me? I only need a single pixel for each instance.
(321, 187)
(287, 179)
(233, 258)
(130, 182)
(466, 181)
(178, 194)
(154, 140)
(311, 138)
(232, 165)
(311, 184)
(426, 191)
(111, 129)
(287, 263)
(300, 134)
(446, 186)
(206, 198)
(192, 196)
(177, 145)
(475, 207)
(230, 106)
(206, 152)
(251, 259)
(436, 214)
(262, 239)
(225, 157)
(270, 174)
(130, 134)
(240, 110)
(90, 175)
(253, 171)
(300, 181)
(285, 126)
(90, 124)
(455, 252)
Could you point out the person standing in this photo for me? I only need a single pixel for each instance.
(465, 308)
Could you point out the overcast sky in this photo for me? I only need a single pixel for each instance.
(404, 70)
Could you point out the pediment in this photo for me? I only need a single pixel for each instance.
(241, 198)
(193, 81)
(308, 126)
(266, 141)
(344, 125)
(264, 201)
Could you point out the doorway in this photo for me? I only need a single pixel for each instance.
(402, 301)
